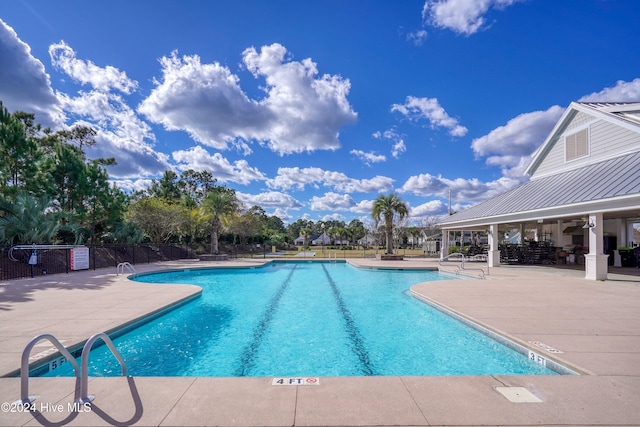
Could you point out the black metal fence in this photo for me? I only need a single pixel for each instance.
(56, 261)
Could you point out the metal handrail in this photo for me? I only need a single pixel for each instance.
(24, 367)
(122, 265)
(461, 267)
(84, 381)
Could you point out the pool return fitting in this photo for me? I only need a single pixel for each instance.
(82, 374)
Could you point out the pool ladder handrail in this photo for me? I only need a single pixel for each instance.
(25, 399)
(128, 266)
(81, 373)
(460, 268)
(84, 381)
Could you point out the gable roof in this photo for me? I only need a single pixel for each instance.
(624, 114)
(606, 186)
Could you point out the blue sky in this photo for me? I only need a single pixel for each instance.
(311, 109)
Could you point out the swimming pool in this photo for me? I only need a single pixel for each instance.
(305, 319)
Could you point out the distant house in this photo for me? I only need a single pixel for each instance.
(301, 240)
(367, 240)
(321, 240)
(583, 191)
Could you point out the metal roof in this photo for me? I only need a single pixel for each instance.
(606, 180)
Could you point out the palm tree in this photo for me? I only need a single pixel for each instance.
(28, 219)
(386, 207)
(218, 206)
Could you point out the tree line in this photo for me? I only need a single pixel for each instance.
(51, 193)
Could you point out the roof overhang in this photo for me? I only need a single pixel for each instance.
(618, 207)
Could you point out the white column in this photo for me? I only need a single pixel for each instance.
(596, 262)
(444, 244)
(629, 235)
(621, 240)
(521, 230)
(559, 236)
(493, 257)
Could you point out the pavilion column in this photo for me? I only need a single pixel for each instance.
(493, 257)
(596, 262)
(444, 246)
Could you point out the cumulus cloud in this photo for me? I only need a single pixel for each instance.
(368, 157)
(398, 146)
(430, 208)
(468, 190)
(416, 109)
(197, 158)
(461, 16)
(120, 133)
(283, 214)
(621, 92)
(363, 206)
(86, 72)
(25, 85)
(510, 146)
(132, 185)
(270, 200)
(332, 202)
(300, 112)
(299, 178)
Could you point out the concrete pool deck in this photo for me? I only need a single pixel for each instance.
(595, 324)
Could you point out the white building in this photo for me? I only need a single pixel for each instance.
(584, 188)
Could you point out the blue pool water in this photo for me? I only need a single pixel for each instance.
(305, 319)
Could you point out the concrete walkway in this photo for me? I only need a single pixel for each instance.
(595, 324)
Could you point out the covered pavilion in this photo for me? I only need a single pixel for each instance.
(583, 194)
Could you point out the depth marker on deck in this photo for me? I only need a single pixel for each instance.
(296, 381)
(545, 347)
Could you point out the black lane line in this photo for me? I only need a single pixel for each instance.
(357, 343)
(249, 352)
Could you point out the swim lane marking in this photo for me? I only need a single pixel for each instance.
(357, 341)
(249, 352)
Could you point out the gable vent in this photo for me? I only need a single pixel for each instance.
(576, 145)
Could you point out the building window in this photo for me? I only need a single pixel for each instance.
(576, 145)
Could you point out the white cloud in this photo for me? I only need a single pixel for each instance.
(270, 200)
(621, 92)
(299, 178)
(332, 202)
(429, 108)
(398, 146)
(120, 133)
(363, 206)
(132, 185)
(301, 111)
(468, 190)
(25, 85)
(417, 37)
(368, 157)
(283, 214)
(333, 217)
(86, 72)
(430, 208)
(510, 146)
(462, 16)
(197, 158)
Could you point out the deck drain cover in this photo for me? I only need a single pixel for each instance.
(518, 395)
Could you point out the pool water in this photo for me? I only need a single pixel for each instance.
(305, 319)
